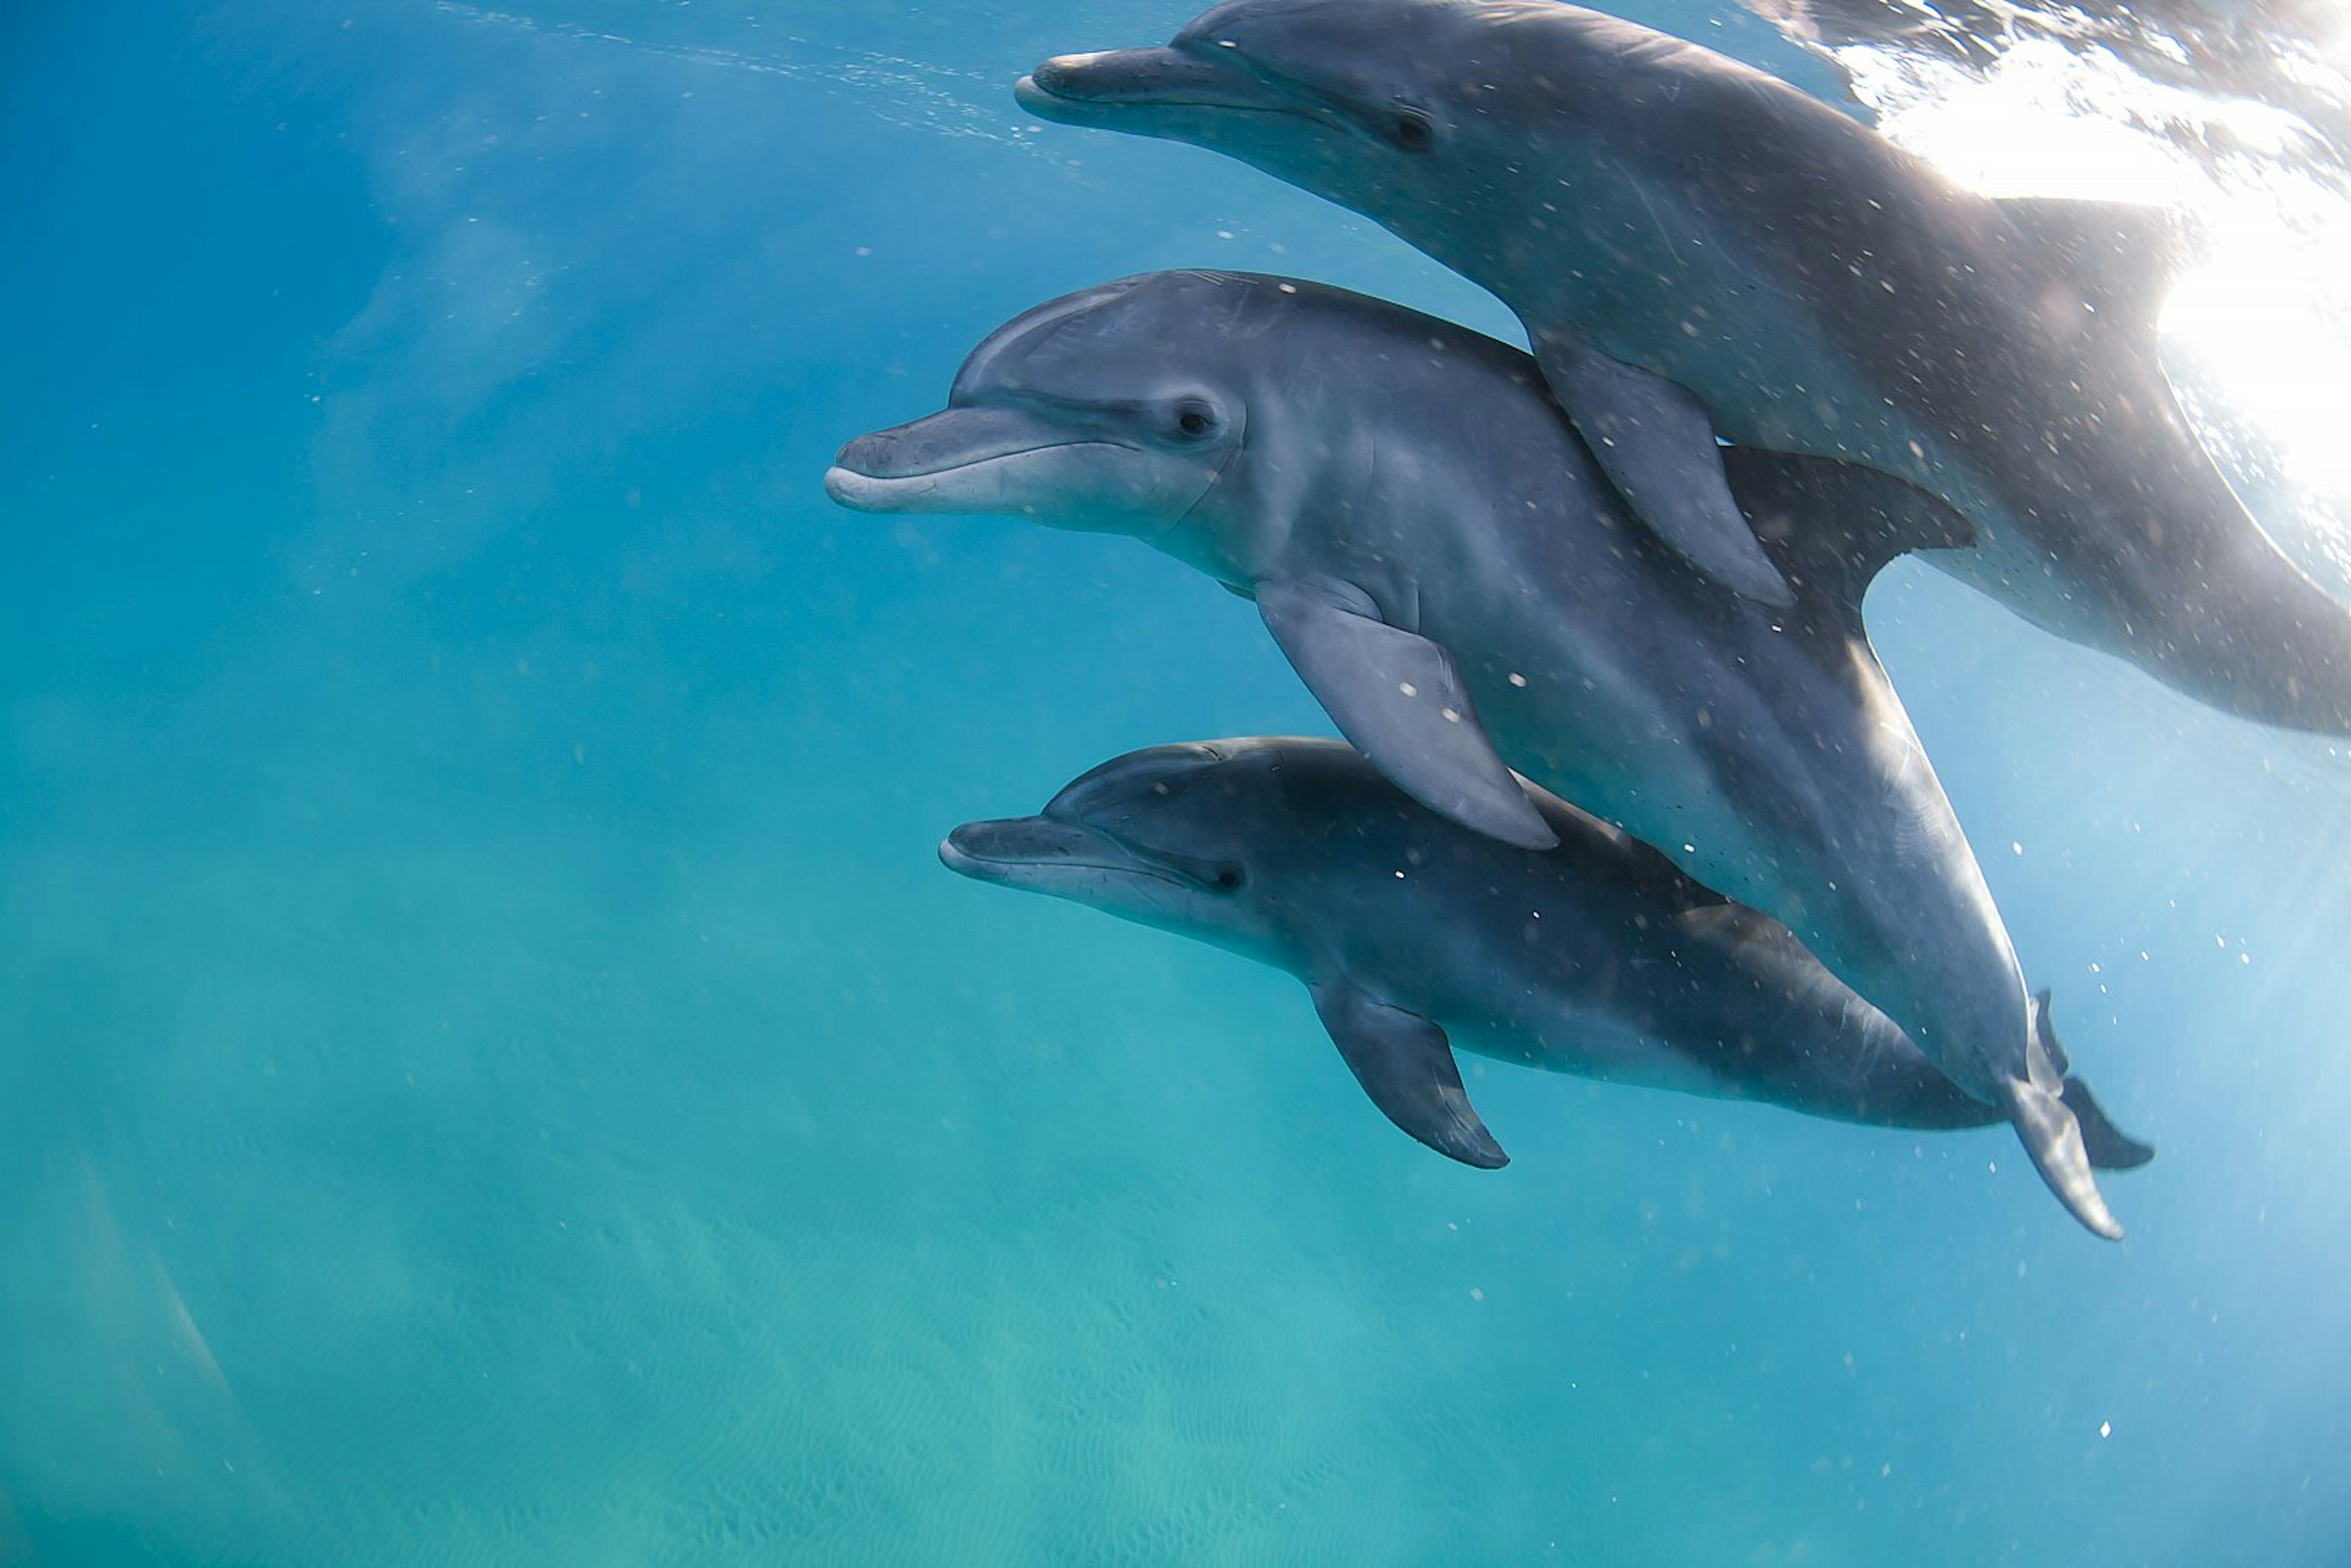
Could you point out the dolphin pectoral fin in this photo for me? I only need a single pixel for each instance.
(1655, 441)
(1400, 699)
(1405, 1064)
(2046, 1126)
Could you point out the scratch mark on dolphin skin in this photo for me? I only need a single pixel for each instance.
(1640, 189)
(914, 94)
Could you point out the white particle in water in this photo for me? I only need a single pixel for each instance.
(1407, 688)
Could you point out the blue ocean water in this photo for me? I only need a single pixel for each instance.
(492, 1072)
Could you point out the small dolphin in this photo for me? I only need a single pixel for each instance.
(1596, 958)
(1449, 571)
(1661, 218)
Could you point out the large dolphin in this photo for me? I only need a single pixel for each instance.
(1595, 957)
(1434, 549)
(1661, 217)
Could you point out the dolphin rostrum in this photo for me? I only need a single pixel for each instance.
(1595, 957)
(1435, 551)
(1663, 218)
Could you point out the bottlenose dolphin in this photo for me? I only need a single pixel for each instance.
(1596, 957)
(1435, 551)
(1661, 218)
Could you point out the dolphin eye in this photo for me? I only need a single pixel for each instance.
(1230, 878)
(1194, 421)
(1410, 130)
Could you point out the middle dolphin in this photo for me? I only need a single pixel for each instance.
(1430, 541)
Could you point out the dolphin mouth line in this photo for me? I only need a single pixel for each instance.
(967, 465)
(960, 859)
(1032, 86)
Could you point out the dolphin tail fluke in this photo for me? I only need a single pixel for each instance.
(2046, 1123)
(2109, 1148)
(2046, 1126)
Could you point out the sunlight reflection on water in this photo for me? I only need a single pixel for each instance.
(2257, 330)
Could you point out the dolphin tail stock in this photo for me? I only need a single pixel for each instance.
(2222, 613)
(1832, 526)
(2257, 637)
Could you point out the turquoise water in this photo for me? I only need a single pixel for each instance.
(492, 1072)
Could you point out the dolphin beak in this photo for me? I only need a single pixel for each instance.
(1092, 89)
(1041, 854)
(960, 460)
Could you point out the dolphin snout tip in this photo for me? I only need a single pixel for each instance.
(846, 486)
(860, 474)
(1057, 76)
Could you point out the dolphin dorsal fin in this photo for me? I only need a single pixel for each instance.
(2122, 256)
(1831, 524)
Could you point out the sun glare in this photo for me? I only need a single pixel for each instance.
(2258, 329)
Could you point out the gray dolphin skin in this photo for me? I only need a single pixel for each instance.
(1661, 217)
(1445, 567)
(1595, 957)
